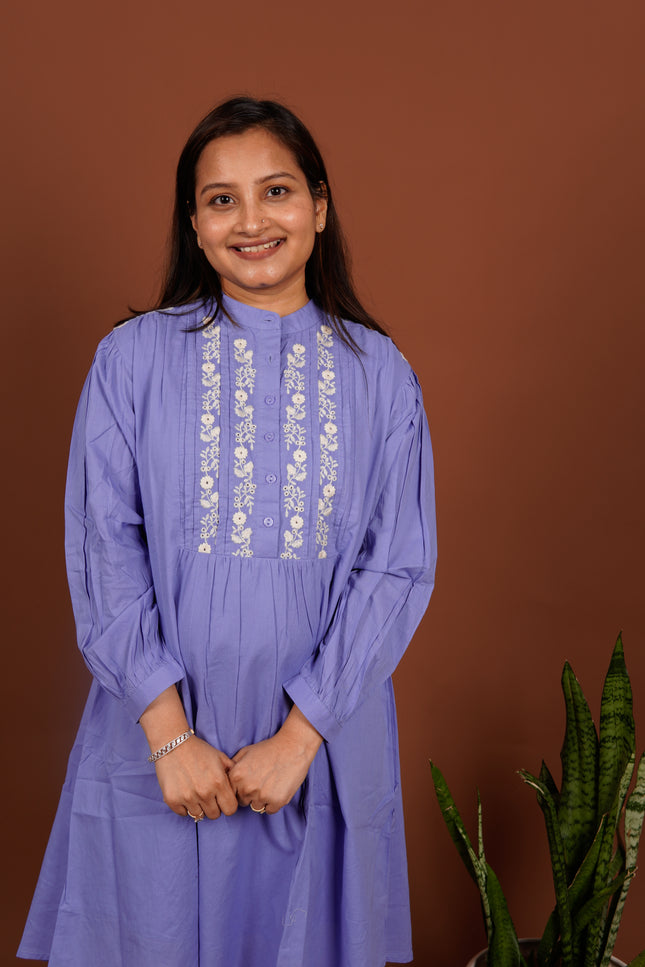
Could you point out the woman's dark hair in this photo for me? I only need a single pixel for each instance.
(190, 277)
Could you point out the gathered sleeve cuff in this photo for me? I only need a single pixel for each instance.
(108, 565)
(390, 584)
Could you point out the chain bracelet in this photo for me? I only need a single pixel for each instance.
(169, 746)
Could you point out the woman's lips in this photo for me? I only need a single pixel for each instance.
(258, 250)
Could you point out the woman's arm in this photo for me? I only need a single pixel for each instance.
(194, 776)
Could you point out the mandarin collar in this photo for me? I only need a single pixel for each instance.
(263, 320)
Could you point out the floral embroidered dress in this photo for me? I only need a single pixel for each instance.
(250, 515)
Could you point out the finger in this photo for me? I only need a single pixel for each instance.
(272, 810)
(211, 807)
(227, 802)
(258, 807)
(244, 798)
(195, 811)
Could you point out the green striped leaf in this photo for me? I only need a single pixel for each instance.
(578, 794)
(459, 836)
(617, 742)
(597, 927)
(548, 949)
(558, 865)
(503, 946)
(634, 815)
(638, 961)
(549, 782)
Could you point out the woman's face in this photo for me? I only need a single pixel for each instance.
(255, 219)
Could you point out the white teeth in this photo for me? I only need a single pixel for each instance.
(257, 248)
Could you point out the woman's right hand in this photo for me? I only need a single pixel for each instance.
(194, 776)
(194, 779)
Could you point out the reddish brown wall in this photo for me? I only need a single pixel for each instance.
(489, 161)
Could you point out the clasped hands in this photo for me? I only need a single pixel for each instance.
(198, 779)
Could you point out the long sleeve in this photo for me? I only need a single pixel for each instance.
(390, 583)
(107, 557)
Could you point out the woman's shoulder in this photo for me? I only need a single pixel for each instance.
(379, 354)
(140, 334)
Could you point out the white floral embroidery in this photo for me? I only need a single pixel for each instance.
(293, 538)
(244, 492)
(210, 435)
(328, 438)
(295, 437)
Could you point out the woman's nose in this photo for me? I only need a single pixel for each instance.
(251, 219)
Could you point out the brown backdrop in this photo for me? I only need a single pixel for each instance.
(489, 162)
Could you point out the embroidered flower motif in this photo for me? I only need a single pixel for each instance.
(244, 492)
(295, 437)
(210, 435)
(328, 439)
(241, 535)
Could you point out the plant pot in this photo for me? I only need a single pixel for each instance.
(526, 947)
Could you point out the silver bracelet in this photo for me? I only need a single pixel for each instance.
(169, 746)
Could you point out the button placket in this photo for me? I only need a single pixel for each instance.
(268, 494)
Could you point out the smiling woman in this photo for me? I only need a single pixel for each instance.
(250, 545)
(256, 219)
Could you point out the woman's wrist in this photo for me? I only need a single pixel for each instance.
(299, 730)
(164, 719)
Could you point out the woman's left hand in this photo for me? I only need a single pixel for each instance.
(269, 773)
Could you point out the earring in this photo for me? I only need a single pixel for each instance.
(321, 226)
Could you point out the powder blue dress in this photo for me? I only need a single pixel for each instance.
(250, 515)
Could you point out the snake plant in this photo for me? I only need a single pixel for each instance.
(593, 831)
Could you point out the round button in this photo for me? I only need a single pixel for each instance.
(268, 521)
(269, 437)
(270, 478)
(269, 400)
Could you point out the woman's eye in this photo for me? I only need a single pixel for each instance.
(276, 191)
(221, 200)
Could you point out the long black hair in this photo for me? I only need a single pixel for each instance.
(189, 277)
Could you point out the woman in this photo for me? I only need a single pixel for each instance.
(250, 546)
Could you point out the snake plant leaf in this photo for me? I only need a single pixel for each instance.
(579, 755)
(459, 836)
(549, 782)
(598, 927)
(558, 864)
(480, 830)
(548, 950)
(595, 903)
(503, 945)
(454, 821)
(617, 742)
(638, 961)
(634, 815)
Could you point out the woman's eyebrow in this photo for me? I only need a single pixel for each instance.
(227, 185)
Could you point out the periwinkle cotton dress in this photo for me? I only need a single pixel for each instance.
(250, 515)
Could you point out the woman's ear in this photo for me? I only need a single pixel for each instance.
(320, 207)
(193, 222)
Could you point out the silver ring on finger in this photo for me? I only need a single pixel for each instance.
(254, 810)
(196, 819)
